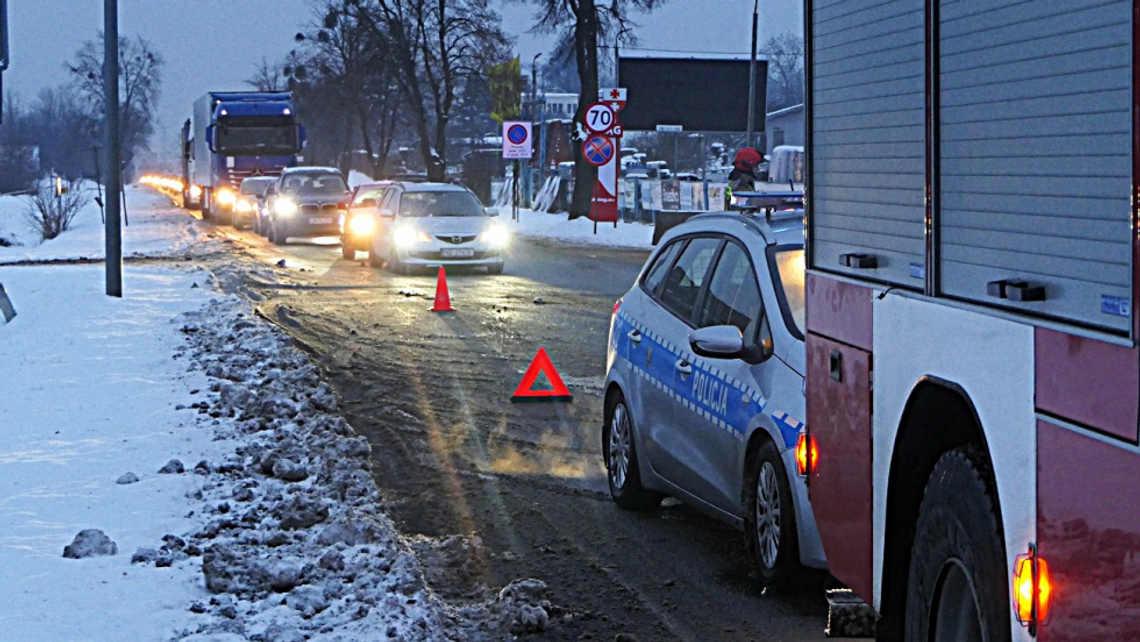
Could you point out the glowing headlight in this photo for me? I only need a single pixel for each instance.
(226, 198)
(495, 235)
(243, 206)
(406, 235)
(285, 207)
(362, 225)
(195, 191)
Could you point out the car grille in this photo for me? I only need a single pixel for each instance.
(456, 239)
(438, 256)
(312, 209)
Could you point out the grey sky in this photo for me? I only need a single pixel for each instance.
(217, 44)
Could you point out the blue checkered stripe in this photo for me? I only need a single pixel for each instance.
(742, 400)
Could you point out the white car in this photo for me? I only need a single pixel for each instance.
(424, 225)
(704, 384)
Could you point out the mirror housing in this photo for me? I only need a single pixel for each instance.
(717, 342)
(491, 211)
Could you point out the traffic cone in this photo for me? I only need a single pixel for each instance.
(442, 299)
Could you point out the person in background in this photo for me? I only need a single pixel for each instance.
(745, 172)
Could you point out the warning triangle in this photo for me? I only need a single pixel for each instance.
(541, 365)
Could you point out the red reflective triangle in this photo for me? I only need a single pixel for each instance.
(541, 363)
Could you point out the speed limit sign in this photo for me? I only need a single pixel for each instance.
(600, 117)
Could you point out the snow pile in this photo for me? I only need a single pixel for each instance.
(293, 541)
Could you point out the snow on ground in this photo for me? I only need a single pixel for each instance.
(580, 231)
(194, 437)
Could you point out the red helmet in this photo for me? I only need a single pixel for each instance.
(747, 159)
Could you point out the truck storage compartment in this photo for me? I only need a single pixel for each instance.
(1035, 163)
(867, 140)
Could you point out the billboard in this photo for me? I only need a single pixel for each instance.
(704, 95)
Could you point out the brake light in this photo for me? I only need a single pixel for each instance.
(1032, 589)
(806, 454)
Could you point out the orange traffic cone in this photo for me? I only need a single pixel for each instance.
(442, 299)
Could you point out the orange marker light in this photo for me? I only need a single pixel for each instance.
(1031, 587)
(806, 454)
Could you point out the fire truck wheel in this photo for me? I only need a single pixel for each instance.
(621, 460)
(769, 516)
(957, 589)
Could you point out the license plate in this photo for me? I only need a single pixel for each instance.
(323, 220)
(457, 253)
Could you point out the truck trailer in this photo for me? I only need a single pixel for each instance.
(973, 373)
(235, 135)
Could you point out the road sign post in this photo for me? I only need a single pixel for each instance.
(516, 146)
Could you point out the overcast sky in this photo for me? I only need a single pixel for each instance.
(213, 45)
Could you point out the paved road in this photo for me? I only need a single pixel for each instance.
(522, 485)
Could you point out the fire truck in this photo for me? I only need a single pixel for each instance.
(972, 365)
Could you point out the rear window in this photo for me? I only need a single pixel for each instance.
(253, 188)
(790, 286)
(313, 184)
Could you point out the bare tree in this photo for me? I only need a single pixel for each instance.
(356, 68)
(436, 45)
(140, 79)
(267, 77)
(785, 54)
(582, 24)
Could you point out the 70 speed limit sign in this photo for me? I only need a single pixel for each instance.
(600, 117)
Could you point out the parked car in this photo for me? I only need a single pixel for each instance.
(251, 193)
(358, 219)
(305, 202)
(432, 224)
(704, 384)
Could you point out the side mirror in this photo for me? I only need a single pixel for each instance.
(718, 342)
(387, 213)
(492, 211)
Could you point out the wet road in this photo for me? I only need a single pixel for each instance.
(522, 485)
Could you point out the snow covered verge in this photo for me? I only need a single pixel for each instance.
(236, 504)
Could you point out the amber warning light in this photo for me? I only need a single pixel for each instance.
(1032, 589)
(806, 454)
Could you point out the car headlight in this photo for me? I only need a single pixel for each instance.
(244, 206)
(195, 191)
(406, 236)
(496, 236)
(362, 225)
(284, 207)
(226, 198)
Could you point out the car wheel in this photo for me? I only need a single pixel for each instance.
(374, 259)
(347, 250)
(276, 235)
(621, 460)
(396, 266)
(769, 515)
(495, 269)
(957, 588)
(256, 224)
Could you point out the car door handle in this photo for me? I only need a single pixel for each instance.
(684, 367)
(634, 336)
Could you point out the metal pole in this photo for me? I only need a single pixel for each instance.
(752, 75)
(114, 240)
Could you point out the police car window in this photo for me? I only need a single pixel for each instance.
(685, 278)
(733, 296)
(656, 272)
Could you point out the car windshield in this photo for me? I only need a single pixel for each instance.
(440, 204)
(255, 187)
(790, 265)
(374, 194)
(313, 184)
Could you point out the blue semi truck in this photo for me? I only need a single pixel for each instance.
(232, 136)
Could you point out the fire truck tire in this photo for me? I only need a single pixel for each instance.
(957, 588)
(769, 517)
(621, 460)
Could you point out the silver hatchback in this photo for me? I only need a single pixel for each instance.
(704, 384)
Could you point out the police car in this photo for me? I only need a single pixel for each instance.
(704, 384)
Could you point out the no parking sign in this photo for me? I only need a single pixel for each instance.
(516, 140)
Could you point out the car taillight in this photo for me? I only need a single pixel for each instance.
(1032, 589)
(806, 454)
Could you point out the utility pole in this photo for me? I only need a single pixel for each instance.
(752, 75)
(111, 145)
